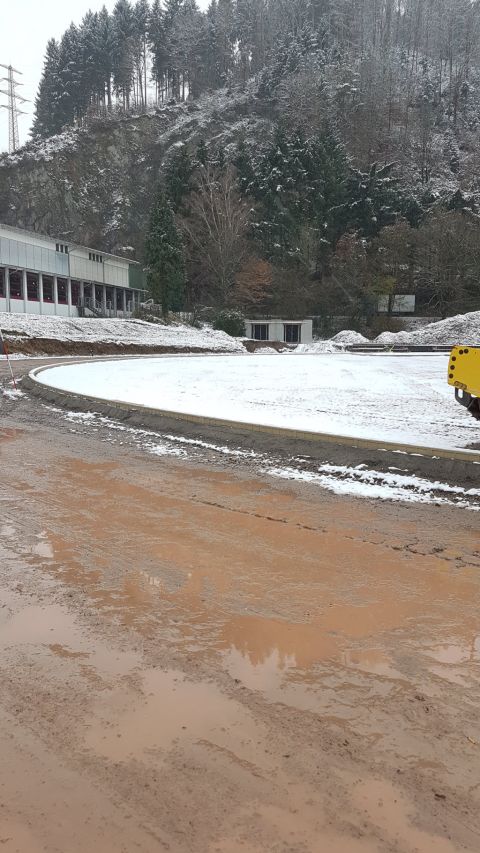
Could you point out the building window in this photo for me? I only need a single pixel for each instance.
(97, 259)
(260, 331)
(292, 333)
(75, 292)
(62, 291)
(15, 285)
(32, 288)
(62, 247)
(47, 289)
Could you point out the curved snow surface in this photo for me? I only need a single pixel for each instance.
(402, 398)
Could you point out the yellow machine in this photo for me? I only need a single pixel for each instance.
(464, 375)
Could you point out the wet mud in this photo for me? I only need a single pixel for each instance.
(196, 659)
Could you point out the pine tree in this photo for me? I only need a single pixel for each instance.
(123, 59)
(47, 119)
(71, 100)
(89, 72)
(178, 178)
(157, 46)
(105, 50)
(164, 256)
(141, 16)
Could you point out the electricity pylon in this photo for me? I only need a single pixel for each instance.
(12, 105)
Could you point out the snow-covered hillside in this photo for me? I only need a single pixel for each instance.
(24, 328)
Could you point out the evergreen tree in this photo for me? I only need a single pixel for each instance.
(141, 16)
(105, 50)
(299, 186)
(164, 256)
(71, 96)
(178, 178)
(157, 45)
(123, 59)
(47, 115)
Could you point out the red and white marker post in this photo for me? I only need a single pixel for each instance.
(4, 351)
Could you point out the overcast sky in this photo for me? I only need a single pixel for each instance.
(26, 27)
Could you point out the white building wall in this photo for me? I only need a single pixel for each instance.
(115, 273)
(111, 271)
(276, 328)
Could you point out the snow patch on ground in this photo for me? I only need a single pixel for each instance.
(347, 338)
(396, 398)
(149, 439)
(12, 393)
(113, 331)
(462, 329)
(343, 480)
(391, 486)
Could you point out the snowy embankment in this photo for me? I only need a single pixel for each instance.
(462, 329)
(395, 398)
(23, 330)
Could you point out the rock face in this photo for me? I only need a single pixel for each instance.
(95, 185)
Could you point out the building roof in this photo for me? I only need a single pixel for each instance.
(71, 243)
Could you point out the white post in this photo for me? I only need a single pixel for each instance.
(24, 290)
(69, 296)
(55, 293)
(104, 299)
(124, 302)
(40, 292)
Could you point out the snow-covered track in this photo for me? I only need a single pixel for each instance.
(155, 418)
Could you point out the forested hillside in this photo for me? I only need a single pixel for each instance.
(266, 154)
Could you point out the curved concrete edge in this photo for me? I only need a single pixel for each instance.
(155, 419)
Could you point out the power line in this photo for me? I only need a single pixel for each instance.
(12, 105)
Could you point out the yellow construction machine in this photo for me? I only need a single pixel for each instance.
(464, 375)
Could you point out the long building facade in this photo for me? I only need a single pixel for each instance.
(42, 275)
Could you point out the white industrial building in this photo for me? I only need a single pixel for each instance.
(42, 275)
(276, 329)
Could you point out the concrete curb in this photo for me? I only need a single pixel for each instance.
(156, 419)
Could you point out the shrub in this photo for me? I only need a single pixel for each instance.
(231, 322)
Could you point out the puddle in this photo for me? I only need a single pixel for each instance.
(449, 653)
(55, 630)
(43, 548)
(170, 710)
(293, 645)
(373, 661)
(38, 625)
(18, 838)
(384, 807)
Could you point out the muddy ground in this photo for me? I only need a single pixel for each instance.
(195, 658)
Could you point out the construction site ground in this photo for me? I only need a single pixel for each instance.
(197, 658)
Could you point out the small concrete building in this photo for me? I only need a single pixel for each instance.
(42, 275)
(276, 329)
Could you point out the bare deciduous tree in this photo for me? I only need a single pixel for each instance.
(217, 227)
